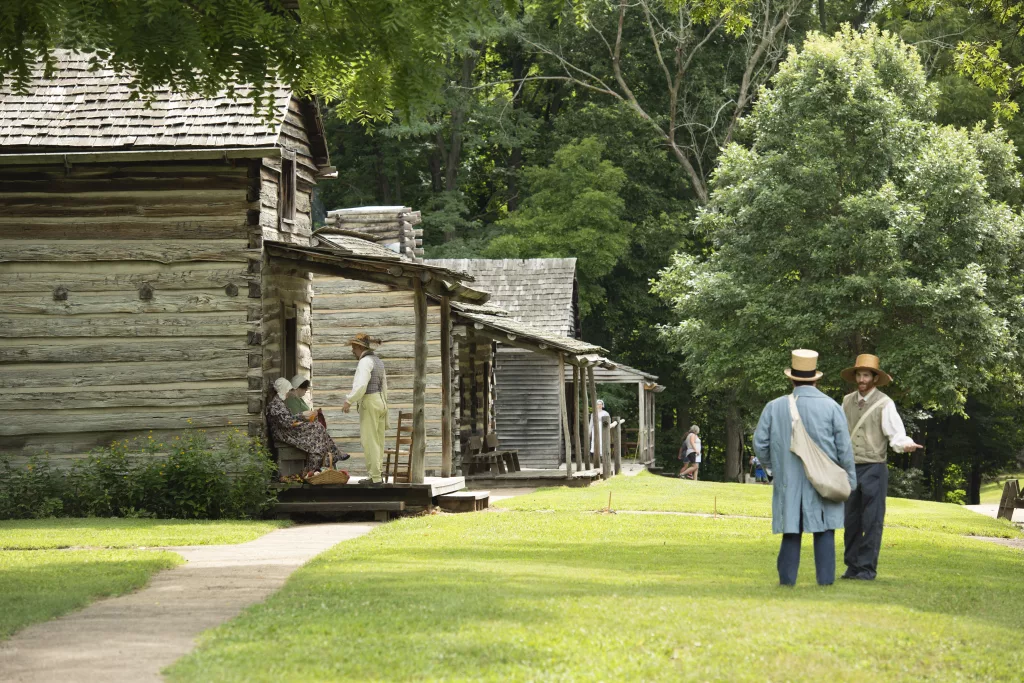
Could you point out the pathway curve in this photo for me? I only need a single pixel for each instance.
(132, 637)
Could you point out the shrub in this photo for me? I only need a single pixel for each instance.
(907, 483)
(955, 485)
(195, 480)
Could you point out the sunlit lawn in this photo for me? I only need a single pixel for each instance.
(128, 533)
(39, 582)
(654, 493)
(575, 595)
(992, 492)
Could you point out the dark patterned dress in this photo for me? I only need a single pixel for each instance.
(309, 437)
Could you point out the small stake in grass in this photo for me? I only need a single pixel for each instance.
(608, 510)
(716, 506)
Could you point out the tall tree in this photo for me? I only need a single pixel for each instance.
(854, 223)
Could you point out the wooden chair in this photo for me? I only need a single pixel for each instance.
(401, 472)
(510, 459)
(475, 461)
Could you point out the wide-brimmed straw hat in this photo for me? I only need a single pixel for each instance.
(364, 340)
(866, 361)
(803, 366)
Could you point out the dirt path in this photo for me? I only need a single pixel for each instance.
(132, 637)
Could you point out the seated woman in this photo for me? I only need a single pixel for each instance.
(298, 402)
(309, 437)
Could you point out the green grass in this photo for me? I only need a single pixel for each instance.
(36, 585)
(654, 493)
(524, 596)
(39, 582)
(992, 492)
(127, 533)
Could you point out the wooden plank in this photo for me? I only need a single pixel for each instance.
(19, 422)
(160, 251)
(324, 507)
(45, 375)
(75, 445)
(390, 349)
(400, 366)
(190, 276)
(343, 285)
(118, 325)
(419, 384)
(95, 207)
(576, 419)
(565, 416)
(592, 387)
(87, 303)
(446, 388)
(370, 318)
(328, 303)
(91, 350)
(125, 396)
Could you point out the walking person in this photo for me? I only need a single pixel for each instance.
(875, 426)
(796, 505)
(597, 418)
(691, 458)
(370, 397)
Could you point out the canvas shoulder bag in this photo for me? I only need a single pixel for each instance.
(827, 478)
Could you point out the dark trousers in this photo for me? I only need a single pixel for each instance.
(824, 557)
(865, 516)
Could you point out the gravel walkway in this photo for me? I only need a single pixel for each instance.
(133, 637)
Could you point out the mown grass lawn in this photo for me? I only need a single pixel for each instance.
(992, 492)
(39, 582)
(127, 533)
(653, 493)
(36, 585)
(573, 595)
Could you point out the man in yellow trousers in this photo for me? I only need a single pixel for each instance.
(370, 397)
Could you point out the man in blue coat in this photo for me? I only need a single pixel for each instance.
(796, 505)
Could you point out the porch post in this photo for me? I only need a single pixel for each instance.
(419, 383)
(585, 418)
(446, 387)
(565, 416)
(641, 424)
(617, 440)
(577, 427)
(597, 426)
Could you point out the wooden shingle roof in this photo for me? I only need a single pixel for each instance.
(82, 110)
(539, 292)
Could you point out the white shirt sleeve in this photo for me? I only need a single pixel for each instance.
(892, 427)
(361, 380)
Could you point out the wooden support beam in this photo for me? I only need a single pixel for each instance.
(617, 440)
(446, 387)
(585, 419)
(419, 384)
(577, 426)
(641, 424)
(564, 410)
(598, 441)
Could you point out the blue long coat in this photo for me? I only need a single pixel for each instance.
(827, 426)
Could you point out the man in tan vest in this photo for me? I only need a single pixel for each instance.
(875, 426)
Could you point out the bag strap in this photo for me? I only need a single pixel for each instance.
(864, 417)
(794, 414)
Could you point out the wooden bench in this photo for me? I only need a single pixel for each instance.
(381, 509)
(1012, 499)
(465, 501)
(484, 455)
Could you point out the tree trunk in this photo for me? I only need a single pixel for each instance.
(974, 481)
(733, 442)
(452, 163)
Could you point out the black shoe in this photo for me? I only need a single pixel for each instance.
(373, 484)
(342, 457)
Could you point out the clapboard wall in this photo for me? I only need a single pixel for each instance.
(341, 309)
(125, 304)
(527, 413)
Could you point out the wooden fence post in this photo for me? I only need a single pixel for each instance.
(617, 438)
(446, 387)
(606, 447)
(585, 419)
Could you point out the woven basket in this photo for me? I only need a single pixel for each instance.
(331, 476)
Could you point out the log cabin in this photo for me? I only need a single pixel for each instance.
(157, 259)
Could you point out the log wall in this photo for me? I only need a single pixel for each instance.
(341, 309)
(124, 302)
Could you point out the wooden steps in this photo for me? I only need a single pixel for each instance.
(465, 501)
(381, 509)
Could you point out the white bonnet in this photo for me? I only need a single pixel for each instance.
(298, 380)
(282, 387)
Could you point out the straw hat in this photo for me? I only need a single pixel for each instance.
(364, 340)
(866, 361)
(803, 366)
